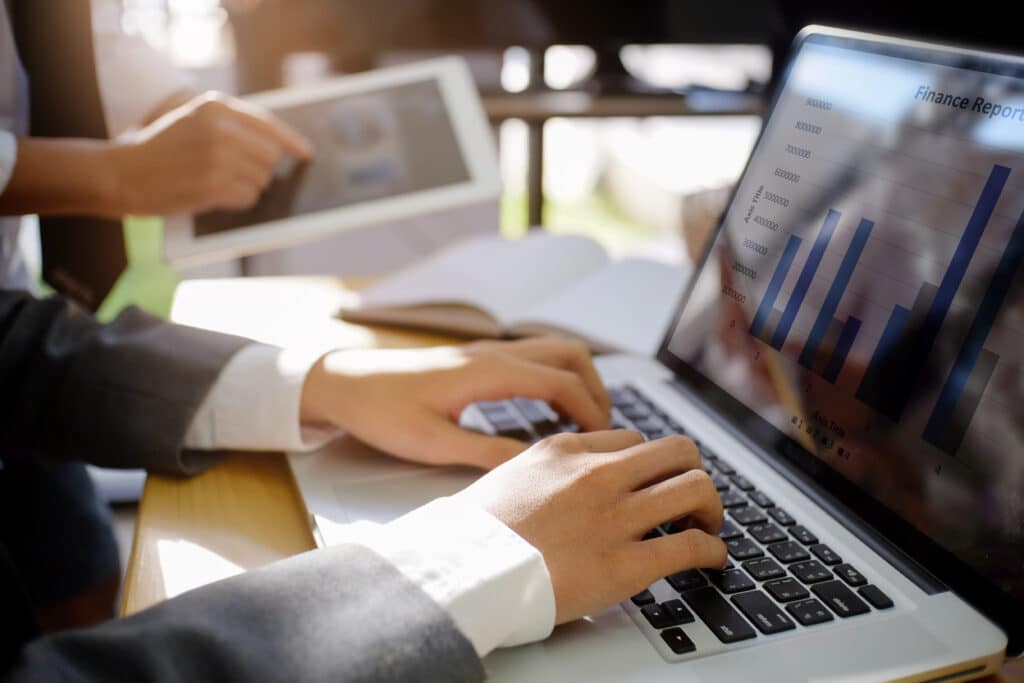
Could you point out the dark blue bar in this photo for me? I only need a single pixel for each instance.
(838, 359)
(835, 293)
(873, 387)
(924, 338)
(781, 271)
(804, 282)
(996, 293)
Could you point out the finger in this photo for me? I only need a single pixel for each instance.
(657, 460)
(252, 144)
(562, 389)
(446, 443)
(688, 549)
(251, 174)
(237, 195)
(608, 441)
(691, 495)
(265, 123)
(570, 354)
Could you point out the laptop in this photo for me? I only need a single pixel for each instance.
(848, 358)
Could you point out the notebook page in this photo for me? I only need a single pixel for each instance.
(504, 277)
(625, 306)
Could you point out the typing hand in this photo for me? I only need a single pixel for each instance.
(213, 152)
(408, 402)
(585, 502)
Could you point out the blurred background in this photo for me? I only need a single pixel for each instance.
(627, 121)
(590, 102)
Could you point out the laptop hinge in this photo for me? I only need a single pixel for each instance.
(867, 534)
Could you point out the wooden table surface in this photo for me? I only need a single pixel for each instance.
(247, 512)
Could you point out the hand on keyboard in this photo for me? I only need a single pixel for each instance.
(586, 501)
(408, 402)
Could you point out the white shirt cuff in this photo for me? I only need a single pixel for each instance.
(255, 404)
(8, 157)
(493, 583)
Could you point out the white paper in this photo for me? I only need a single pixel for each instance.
(505, 278)
(625, 306)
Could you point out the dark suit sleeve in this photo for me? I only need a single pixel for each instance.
(340, 614)
(118, 395)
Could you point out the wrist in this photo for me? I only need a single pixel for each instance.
(314, 404)
(113, 184)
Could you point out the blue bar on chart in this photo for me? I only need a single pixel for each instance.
(835, 294)
(778, 277)
(899, 378)
(838, 359)
(972, 347)
(873, 387)
(803, 283)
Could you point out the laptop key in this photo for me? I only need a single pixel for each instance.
(782, 517)
(724, 467)
(534, 411)
(764, 568)
(763, 613)
(747, 515)
(876, 597)
(729, 531)
(809, 612)
(743, 548)
(518, 433)
(786, 590)
(494, 410)
(826, 554)
(657, 616)
(800, 533)
(851, 576)
(723, 620)
(840, 599)
(678, 641)
(761, 499)
(621, 395)
(685, 580)
(742, 483)
(721, 482)
(788, 551)
(644, 597)
(635, 411)
(678, 612)
(568, 426)
(732, 499)
(731, 580)
(811, 571)
(766, 533)
(672, 528)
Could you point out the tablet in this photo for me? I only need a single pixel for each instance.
(390, 144)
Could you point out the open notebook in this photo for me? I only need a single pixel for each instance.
(542, 283)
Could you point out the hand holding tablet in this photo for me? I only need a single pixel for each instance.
(387, 145)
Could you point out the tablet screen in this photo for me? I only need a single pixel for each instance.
(369, 146)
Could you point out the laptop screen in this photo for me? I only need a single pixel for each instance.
(860, 310)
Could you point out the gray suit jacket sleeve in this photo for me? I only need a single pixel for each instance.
(118, 395)
(340, 614)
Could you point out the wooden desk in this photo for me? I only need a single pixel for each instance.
(247, 512)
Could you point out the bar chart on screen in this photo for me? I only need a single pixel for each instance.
(885, 266)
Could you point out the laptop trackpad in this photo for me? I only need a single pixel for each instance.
(348, 481)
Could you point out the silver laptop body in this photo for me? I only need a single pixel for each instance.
(845, 356)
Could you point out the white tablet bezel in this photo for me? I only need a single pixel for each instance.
(472, 132)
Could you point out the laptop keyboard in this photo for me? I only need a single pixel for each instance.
(778, 575)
